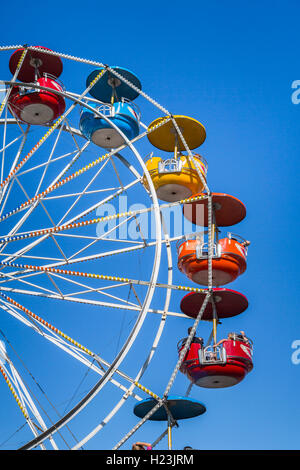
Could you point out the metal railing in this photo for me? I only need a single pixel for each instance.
(212, 355)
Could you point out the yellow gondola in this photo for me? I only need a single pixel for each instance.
(177, 178)
(181, 176)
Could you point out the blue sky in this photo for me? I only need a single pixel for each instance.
(231, 66)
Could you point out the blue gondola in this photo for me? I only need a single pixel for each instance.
(123, 114)
(115, 103)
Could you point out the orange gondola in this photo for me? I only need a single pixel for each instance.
(229, 259)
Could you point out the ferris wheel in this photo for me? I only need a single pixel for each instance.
(86, 258)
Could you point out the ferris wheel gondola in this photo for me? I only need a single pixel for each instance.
(229, 259)
(181, 175)
(36, 106)
(222, 365)
(115, 103)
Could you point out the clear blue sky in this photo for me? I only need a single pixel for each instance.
(231, 66)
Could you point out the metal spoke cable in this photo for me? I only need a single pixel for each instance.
(77, 389)
(41, 390)
(100, 277)
(96, 220)
(18, 68)
(98, 64)
(49, 132)
(178, 130)
(49, 326)
(77, 173)
(19, 224)
(12, 435)
(172, 378)
(153, 348)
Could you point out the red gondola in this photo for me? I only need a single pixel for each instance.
(223, 365)
(37, 106)
(32, 105)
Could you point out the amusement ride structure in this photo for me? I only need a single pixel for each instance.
(64, 264)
